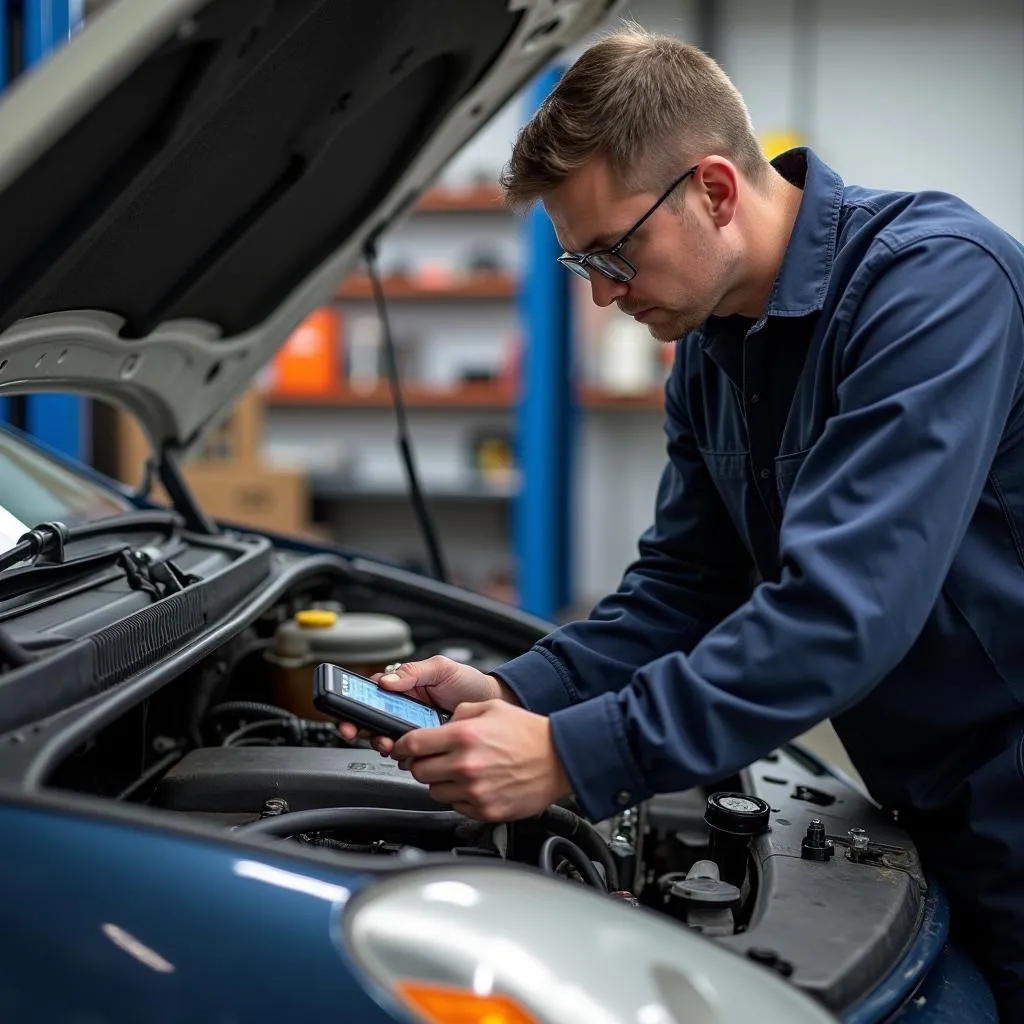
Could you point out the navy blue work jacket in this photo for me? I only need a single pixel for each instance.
(859, 453)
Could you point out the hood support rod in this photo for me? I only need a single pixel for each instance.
(182, 500)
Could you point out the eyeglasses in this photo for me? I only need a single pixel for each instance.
(610, 262)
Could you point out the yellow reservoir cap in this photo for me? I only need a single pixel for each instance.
(441, 1004)
(316, 618)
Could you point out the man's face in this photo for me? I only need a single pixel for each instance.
(683, 265)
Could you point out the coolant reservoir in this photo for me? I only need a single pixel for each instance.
(362, 642)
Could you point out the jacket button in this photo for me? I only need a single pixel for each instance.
(765, 473)
(623, 797)
(754, 399)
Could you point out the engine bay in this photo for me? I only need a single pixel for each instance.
(787, 863)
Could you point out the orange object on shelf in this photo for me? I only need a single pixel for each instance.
(309, 361)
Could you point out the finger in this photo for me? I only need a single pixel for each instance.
(383, 744)
(427, 673)
(433, 770)
(348, 730)
(427, 742)
(401, 677)
(472, 709)
(450, 793)
(466, 809)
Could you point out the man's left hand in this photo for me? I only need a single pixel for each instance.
(492, 761)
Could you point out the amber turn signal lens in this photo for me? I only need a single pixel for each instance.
(439, 1004)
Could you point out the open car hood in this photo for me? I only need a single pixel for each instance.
(185, 180)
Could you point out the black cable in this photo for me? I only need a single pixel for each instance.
(325, 819)
(242, 708)
(563, 822)
(292, 726)
(212, 683)
(154, 771)
(404, 444)
(559, 846)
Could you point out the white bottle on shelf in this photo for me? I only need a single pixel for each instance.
(364, 353)
(626, 358)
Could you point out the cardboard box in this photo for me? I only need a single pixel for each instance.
(226, 476)
(236, 442)
(277, 500)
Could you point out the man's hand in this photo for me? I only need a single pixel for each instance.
(493, 761)
(439, 681)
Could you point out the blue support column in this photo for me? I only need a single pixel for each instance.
(61, 421)
(543, 513)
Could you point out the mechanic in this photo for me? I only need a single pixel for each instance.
(839, 530)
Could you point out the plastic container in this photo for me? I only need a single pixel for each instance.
(359, 641)
(309, 361)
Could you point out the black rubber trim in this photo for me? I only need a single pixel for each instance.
(94, 664)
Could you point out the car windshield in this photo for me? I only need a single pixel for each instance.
(36, 489)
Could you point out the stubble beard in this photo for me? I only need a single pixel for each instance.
(677, 326)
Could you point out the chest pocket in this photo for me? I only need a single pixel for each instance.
(730, 472)
(786, 469)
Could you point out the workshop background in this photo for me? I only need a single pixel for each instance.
(536, 418)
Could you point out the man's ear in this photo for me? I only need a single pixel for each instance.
(719, 185)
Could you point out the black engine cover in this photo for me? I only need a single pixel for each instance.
(242, 779)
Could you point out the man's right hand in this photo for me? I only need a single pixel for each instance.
(438, 681)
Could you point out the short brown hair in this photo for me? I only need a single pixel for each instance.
(648, 104)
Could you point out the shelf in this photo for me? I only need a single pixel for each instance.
(599, 400)
(463, 396)
(473, 286)
(332, 488)
(416, 396)
(471, 199)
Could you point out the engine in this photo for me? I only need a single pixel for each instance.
(236, 742)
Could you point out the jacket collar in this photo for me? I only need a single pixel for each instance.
(803, 280)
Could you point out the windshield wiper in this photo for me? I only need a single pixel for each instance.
(44, 550)
(44, 546)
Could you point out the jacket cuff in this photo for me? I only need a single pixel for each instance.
(539, 681)
(590, 740)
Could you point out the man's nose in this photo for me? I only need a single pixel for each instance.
(605, 290)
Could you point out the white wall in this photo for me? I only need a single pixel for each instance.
(904, 95)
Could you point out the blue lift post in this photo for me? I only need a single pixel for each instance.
(59, 420)
(543, 511)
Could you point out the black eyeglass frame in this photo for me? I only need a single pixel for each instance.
(580, 263)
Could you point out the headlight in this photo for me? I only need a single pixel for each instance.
(483, 945)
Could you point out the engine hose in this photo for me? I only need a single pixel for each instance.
(248, 708)
(559, 846)
(325, 819)
(291, 724)
(564, 823)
